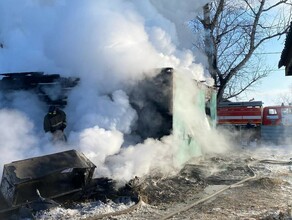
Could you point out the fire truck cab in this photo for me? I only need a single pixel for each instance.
(277, 115)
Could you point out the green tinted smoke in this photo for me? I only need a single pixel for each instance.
(186, 99)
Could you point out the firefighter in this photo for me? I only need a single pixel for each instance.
(55, 122)
(249, 125)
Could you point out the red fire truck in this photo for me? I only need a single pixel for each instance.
(270, 123)
(238, 114)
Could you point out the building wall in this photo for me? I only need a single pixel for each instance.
(172, 103)
(189, 115)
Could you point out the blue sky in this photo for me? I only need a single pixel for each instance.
(271, 87)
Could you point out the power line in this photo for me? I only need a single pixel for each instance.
(269, 53)
(276, 70)
(261, 53)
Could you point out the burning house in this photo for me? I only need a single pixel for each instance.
(165, 104)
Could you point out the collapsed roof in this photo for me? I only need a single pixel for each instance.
(51, 88)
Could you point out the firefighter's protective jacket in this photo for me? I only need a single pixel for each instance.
(54, 122)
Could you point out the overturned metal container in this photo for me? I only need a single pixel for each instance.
(53, 176)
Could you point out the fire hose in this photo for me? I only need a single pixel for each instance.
(227, 187)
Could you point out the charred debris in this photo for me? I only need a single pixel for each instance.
(48, 181)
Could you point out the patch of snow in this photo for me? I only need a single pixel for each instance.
(82, 210)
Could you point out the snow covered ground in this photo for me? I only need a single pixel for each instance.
(267, 196)
(82, 210)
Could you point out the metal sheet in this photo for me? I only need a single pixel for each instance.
(52, 175)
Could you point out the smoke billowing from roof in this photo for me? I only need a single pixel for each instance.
(110, 45)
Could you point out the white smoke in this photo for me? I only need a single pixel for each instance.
(109, 45)
(17, 137)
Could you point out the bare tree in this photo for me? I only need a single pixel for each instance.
(284, 98)
(233, 32)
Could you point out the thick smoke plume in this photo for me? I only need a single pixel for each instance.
(109, 45)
